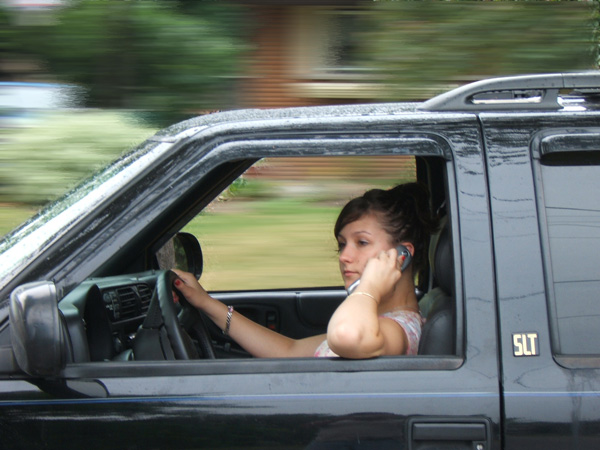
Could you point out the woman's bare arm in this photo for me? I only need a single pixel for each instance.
(356, 330)
(257, 340)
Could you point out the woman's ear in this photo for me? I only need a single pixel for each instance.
(410, 247)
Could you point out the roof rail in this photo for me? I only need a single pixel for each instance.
(524, 92)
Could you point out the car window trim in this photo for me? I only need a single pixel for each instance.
(258, 366)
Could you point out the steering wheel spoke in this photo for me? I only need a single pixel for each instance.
(162, 335)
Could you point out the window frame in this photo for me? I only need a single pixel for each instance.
(414, 143)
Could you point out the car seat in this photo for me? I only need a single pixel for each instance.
(437, 306)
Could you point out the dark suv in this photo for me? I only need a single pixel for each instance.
(510, 353)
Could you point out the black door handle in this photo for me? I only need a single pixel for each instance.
(462, 433)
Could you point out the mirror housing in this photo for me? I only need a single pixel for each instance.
(188, 253)
(36, 329)
(182, 252)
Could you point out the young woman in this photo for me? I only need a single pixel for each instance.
(381, 316)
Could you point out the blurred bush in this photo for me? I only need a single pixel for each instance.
(40, 162)
(419, 45)
(165, 58)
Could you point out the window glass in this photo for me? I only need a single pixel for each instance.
(569, 188)
(273, 227)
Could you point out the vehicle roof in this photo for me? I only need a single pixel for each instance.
(578, 91)
(195, 124)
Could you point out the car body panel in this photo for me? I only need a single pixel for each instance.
(545, 405)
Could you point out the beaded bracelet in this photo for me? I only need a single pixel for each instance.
(228, 320)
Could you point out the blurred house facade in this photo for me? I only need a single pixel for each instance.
(305, 54)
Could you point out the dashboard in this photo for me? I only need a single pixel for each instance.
(102, 316)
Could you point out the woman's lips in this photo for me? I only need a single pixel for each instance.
(350, 275)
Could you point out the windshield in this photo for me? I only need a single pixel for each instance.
(34, 236)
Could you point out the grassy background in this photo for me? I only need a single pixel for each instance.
(268, 244)
(261, 235)
(13, 215)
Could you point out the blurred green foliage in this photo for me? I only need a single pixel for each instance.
(157, 57)
(5, 32)
(424, 44)
(167, 59)
(38, 163)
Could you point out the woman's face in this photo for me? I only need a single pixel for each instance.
(357, 242)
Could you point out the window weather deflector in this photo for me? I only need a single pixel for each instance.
(553, 141)
(518, 93)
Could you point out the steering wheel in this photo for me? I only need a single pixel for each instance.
(192, 320)
(162, 336)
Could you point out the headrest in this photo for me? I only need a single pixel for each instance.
(441, 259)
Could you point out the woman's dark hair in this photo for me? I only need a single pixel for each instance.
(404, 213)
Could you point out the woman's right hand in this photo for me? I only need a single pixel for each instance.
(382, 273)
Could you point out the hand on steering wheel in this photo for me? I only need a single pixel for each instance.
(193, 320)
(162, 322)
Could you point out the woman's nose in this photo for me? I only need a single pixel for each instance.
(346, 254)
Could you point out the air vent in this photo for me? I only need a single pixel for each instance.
(127, 302)
(145, 296)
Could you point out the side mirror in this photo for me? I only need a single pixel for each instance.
(37, 334)
(182, 252)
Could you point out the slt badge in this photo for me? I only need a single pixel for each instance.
(525, 344)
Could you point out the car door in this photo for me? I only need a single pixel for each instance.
(387, 402)
(544, 176)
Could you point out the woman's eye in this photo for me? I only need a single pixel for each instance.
(363, 243)
(341, 247)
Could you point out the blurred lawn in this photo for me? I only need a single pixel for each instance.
(13, 215)
(277, 243)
